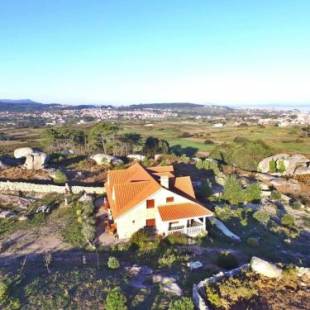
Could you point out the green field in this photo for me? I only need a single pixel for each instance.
(288, 140)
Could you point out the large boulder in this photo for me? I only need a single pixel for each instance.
(35, 161)
(293, 164)
(265, 268)
(101, 159)
(23, 152)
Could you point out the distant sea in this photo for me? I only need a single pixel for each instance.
(278, 107)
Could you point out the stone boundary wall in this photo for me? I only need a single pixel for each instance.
(48, 188)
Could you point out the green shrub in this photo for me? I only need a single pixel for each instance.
(288, 220)
(60, 177)
(296, 205)
(115, 300)
(177, 238)
(275, 195)
(113, 263)
(233, 191)
(272, 166)
(262, 217)
(281, 166)
(252, 242)
(145, 240)
(4, 291)
(252, 192)
(167, 259)
(227, 260)
(183, 303)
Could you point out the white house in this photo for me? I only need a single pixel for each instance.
(153, 197)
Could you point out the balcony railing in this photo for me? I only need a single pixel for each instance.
(190, 230)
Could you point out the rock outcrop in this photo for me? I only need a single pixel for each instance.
(34, 160)
(23, 152)
(285, 164)
(101, 159)
(265, 268)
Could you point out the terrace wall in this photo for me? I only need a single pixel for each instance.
(48, 188)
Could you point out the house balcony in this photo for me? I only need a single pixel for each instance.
(193, 229)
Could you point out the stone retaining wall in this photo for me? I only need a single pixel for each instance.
(48, 188)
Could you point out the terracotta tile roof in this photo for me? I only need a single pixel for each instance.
(182, 211)
(164, 174)
(161, 169)
(184, 185)
(128, 187)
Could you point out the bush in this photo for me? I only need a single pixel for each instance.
(227, 260)
(252, 242)
(275, 195)
(262, 217)
(167, 259)
(183, 303)
(296, 205)
(60, 177)
(4, 291)
(115, 300)
(281, 166)
(145, 240)
(272, 166)
(288, 220)
(252, 192)
(177, 238)
(233, 191)
(113, 263)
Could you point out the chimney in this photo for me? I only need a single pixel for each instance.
(164, 181)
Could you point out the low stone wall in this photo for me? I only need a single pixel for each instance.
(48, 188)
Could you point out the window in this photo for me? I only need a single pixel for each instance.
(170, 199)
(150, 203)
(150, 223)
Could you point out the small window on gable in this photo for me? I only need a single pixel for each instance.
(170, 199)
(150, 203)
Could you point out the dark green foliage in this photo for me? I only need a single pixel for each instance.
(183, 303)
(115, 300)
(145, 240)
(235, 194)
(102, 136)
(113, 263)
(242, 153)
(154, 146)
(206, 189)
(177, 238)
(227, 260)
(296, 205)
(252, 242)
(288, 220)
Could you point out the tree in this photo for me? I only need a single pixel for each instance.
(102, 135)
(115, 300)
(233, 191)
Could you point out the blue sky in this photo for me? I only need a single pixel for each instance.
(99, 51)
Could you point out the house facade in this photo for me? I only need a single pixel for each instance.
(141, 197)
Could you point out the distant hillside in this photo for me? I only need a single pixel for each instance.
(171, 105)
(25, 105)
